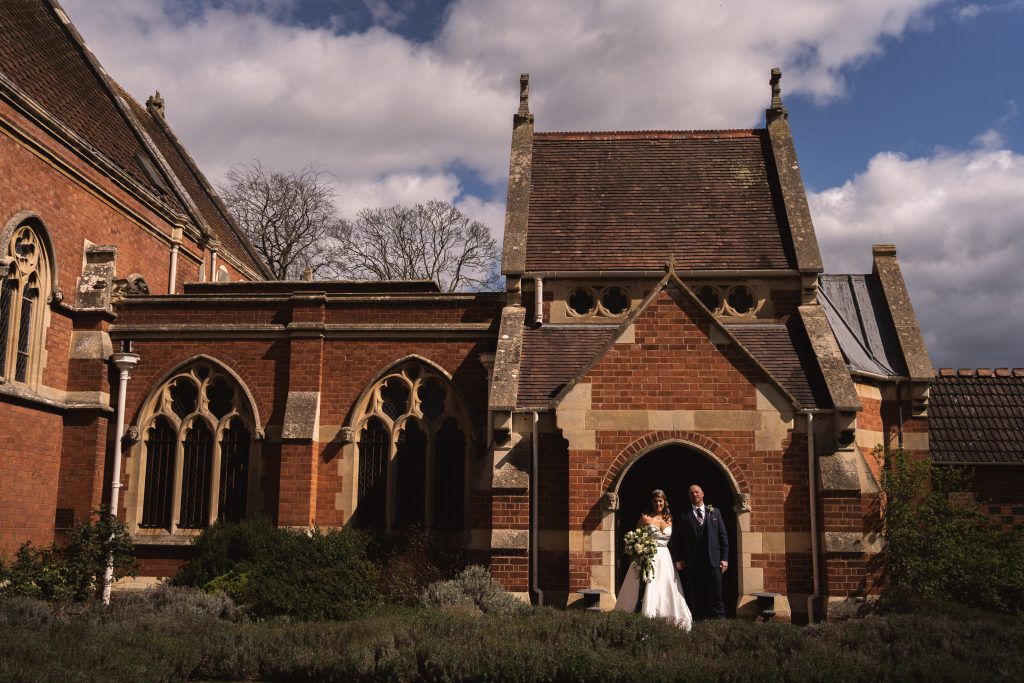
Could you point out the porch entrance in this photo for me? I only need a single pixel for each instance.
(673, 468)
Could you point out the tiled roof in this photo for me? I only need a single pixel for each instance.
(42, 59)
(629, 201)
(785, 351)
(977, 417)
(190, 178)
(860, 319)
(552, 356)
(45, 59)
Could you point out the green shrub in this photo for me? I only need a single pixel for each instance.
(273, 572)
(73, 571)
(936, 548)
(473, 589)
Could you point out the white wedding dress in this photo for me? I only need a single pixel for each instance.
(663, 596)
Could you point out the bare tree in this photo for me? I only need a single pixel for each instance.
(289, 217)
(433, 240)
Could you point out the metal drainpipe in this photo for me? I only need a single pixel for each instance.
(538, 301)
(812, 492)
(535, 511)
(899, 413)
(172, 277)
(124, 362)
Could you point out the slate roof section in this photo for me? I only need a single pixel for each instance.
(552, 356)
(46, 60)
(785, 352)
(39, 55)
(630, 200)
(857, 311)
(976, 417)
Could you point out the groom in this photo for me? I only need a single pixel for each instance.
(703, 545)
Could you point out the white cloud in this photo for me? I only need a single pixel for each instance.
(990, 139)
(956, 219)
(242, 82)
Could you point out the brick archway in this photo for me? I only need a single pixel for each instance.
(654, 440)
(671, 461)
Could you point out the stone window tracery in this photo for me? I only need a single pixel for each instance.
(607, 302)
(412, 452)
(197, 460)
(739, 300)
(24, 286)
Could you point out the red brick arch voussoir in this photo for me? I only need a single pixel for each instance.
(655, 440)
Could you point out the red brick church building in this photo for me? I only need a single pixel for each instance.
(666, 321)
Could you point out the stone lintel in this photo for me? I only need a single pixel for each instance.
(839, 472)
(510, 539)
(301, 416)
(844, 542)
(90, 345)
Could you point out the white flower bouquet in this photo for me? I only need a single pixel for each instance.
(641, 548)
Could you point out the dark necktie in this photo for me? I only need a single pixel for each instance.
(700, 516)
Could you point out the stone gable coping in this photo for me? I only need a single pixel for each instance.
(908, 332)
(794, 194)
(517, 207)
(507, 357)
(830, 359)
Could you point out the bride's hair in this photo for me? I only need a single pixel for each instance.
(666, 514)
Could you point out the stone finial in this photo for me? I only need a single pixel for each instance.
(670, 264)
(524, 94)
(155, 104)
(883, 249)
(307, 274)
(776, 89)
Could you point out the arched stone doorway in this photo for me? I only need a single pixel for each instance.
(673, 468)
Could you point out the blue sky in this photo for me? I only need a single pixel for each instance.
(905, 112)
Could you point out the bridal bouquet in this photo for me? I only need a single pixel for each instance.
(641, 548)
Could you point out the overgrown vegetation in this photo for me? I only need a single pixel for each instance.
(185, 638)
(272, 571)
(72, 571)
(940, 545)
(338, 574)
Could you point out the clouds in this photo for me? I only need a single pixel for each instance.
(957, 220)
(248, 79)
(397, 119)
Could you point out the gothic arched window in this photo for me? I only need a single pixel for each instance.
(197, 463)
(24, 287)
(412, 452)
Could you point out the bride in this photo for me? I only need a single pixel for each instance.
(663, 596)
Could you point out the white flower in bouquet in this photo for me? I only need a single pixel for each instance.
(640, 547)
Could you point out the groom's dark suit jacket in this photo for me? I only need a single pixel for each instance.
(686, 545)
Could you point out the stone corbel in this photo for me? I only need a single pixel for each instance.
(610, 501)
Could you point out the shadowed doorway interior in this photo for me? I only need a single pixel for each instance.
(673, 469)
